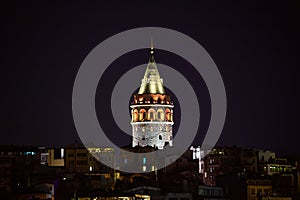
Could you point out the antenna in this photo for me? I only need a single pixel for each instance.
(151, 47)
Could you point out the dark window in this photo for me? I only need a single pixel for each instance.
(57, 154)
(151, 115)
(151, 100)
(71, 162)
(81, 154)
(81, 162)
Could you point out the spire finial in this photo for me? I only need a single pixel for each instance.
(151, 47)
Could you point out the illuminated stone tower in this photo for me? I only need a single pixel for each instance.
(152, 111)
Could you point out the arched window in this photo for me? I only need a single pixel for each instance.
(160, 137)
(160, 114)
(142, 115)
(135, 115)
(168, 114)
(151, 114)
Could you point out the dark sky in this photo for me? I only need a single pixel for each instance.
(255, 46)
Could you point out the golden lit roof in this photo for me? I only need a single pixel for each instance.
(151, 83)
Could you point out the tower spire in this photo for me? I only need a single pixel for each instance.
(151, 83)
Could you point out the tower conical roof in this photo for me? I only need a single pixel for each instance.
(152, 83)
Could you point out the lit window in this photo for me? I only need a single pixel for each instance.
(144, 168)
(144, 160)
(62, 153)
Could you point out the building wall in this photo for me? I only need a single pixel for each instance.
(82, 160)
(249, 160)
(17, 165)
(258, 187)
(152, 120)
(142, 161)
(98, 156)
(271, 169)
(77, 159)
(55, 157)
(5, 173)
(277, 198)
(265, 156)
(253, 190)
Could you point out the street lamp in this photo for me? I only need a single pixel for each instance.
(90, 184)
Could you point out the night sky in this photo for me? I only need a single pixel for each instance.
(255, 46)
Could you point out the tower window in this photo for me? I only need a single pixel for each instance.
(158, 101)
(168, 114)
(135, 115)
(151, 100)
(151, 115)
(160, 137)
(142, 114)
(160, 114)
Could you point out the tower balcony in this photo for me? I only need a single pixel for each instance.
(142, 99)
